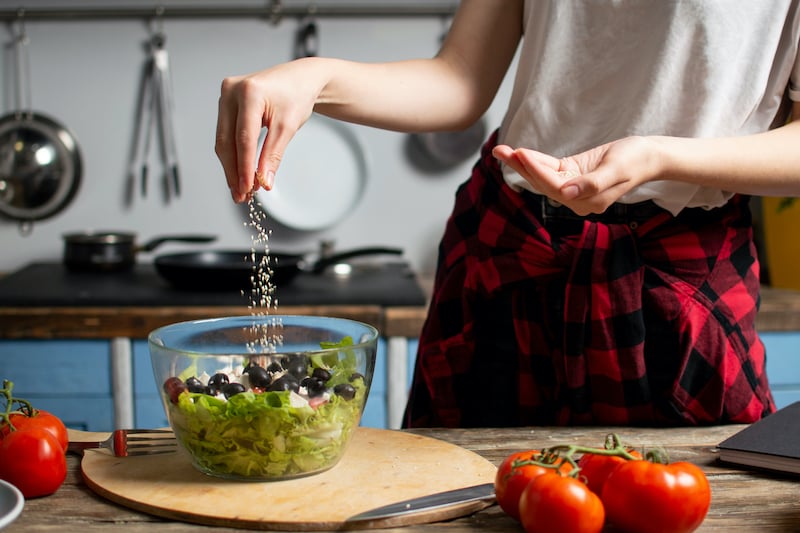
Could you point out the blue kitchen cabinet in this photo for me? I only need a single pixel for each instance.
(783, 370)
(69, 378)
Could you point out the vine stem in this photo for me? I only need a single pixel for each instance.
(555, 456)
(25, 406)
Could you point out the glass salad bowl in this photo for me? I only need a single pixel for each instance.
(264, 397)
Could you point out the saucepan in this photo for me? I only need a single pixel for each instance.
(113, 251)
(216, 270)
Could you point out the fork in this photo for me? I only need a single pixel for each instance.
(131, 442)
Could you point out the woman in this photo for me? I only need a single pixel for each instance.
(598, 266)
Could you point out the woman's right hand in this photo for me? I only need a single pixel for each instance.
(281, 99)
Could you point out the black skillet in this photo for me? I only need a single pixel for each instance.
(216, 270)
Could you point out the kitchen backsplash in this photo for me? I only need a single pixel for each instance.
(86, 75)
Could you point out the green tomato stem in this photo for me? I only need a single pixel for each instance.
(555, 456)
(25, 406)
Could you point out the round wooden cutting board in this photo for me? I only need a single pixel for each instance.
(380, 467)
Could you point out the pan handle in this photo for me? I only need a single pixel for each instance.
(151, 245)
(325, 262)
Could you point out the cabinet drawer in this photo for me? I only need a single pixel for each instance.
(69, 378)
(57, 366)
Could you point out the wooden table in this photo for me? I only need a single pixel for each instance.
(741, 500)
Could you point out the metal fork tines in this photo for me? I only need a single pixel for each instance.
(132, 442)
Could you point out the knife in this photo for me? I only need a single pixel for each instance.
(484, 492)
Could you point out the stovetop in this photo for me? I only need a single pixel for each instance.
(51, 284)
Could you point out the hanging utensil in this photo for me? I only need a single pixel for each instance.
(155, 111)
(163, 86)
(137, 167)
(40, 162)
(306, 39)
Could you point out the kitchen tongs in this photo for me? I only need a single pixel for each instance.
(155, 101)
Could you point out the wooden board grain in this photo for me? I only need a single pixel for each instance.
(380, 467)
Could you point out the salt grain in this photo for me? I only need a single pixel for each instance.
(262, 299)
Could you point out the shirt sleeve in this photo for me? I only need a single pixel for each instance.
(794, 81)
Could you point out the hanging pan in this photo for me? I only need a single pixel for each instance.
(40, 162)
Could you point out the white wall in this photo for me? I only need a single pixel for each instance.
(85, 73)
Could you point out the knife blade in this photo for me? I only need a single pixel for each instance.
(483, 492)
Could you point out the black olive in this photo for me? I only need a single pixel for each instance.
(345, 390)
(355, 375)
(174, 387)
(218, 380)
(315, 387)
(232, 389)
(297, 365)
(195, 385)
(285, 382)
(321, 374)
(274, 367)
(259, 377)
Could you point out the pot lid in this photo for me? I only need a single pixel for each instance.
(321, 179)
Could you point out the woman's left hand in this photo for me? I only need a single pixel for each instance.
(588, 182)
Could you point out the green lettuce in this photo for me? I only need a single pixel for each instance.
(264, 435)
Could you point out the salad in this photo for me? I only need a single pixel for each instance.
(274, 417)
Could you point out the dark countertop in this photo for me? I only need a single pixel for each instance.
(52, 285)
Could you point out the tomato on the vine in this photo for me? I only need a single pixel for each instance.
(514, 474)
(33, 461)
(39, 419)
(553, 502)
(596, 468)
(648, 497)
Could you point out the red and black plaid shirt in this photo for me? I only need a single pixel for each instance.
(599, 323)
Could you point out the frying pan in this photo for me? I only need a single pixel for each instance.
(217, 270)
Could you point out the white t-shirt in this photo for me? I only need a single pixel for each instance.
(593, 71)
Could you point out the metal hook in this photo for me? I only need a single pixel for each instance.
(275, 11)
(23, 69)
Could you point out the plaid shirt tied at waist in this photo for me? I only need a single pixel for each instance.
(540, 319)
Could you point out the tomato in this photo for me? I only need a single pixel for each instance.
(650, 497)
(39, 419)
(595, 468)
(33, 461)
(553, 502)
(511, 479)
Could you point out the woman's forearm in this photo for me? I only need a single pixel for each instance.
(764, 164)
(412, 95)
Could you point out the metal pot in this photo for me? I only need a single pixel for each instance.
(109, 251)
(40, 162)
(233, 269)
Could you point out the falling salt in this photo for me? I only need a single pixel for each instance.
(262, 299)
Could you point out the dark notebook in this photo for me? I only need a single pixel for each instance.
(772, 443)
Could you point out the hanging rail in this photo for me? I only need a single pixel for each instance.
(273, 10)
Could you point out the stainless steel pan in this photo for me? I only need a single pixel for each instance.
(40, 161)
